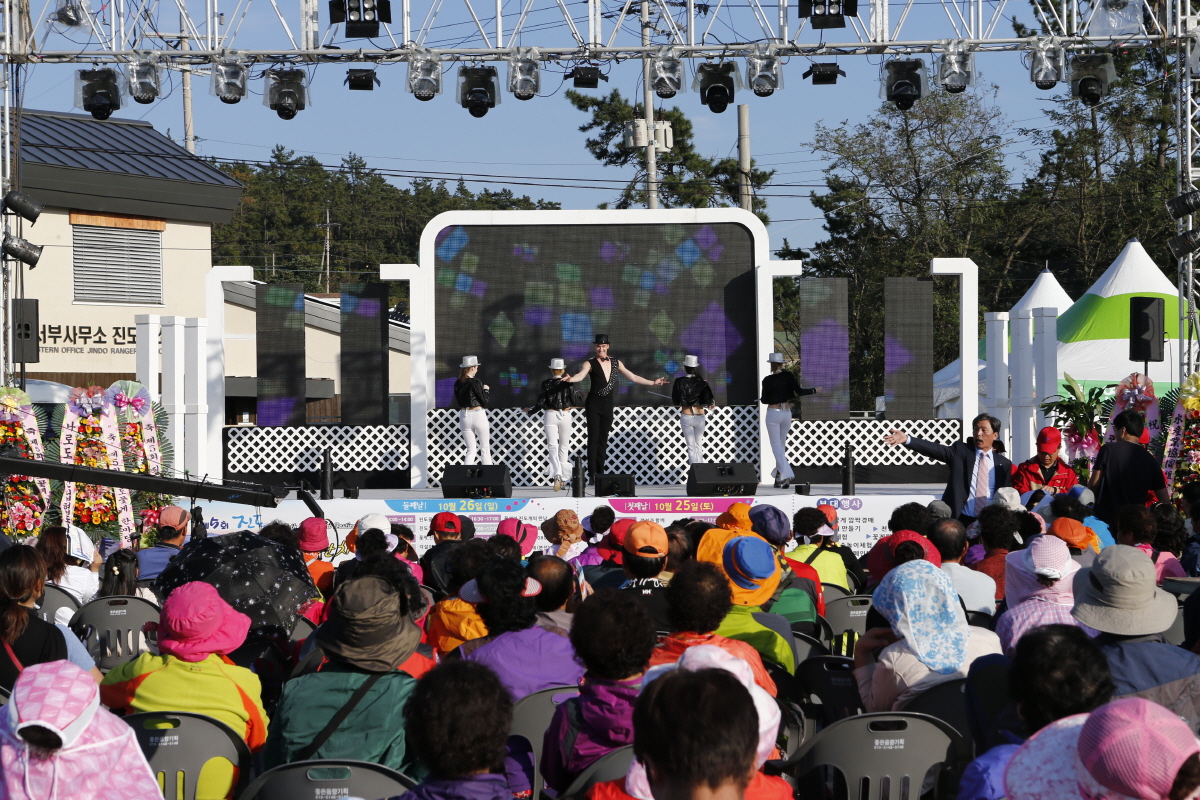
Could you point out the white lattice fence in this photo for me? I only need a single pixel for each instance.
(821, 443)
(646, 442)
(353, 448)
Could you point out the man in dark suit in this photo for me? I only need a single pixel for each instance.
(977, 470)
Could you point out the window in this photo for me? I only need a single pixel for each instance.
(117, 265)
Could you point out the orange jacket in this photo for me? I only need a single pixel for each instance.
(451, 622)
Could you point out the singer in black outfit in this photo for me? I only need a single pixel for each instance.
(602, 400)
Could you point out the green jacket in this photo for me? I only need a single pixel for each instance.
(739, 624)
(374, 731)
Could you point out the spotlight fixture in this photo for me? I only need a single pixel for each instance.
(823, 14)
(1177, 207)
(764, 73)
(98, 92)
(287, 92)
(1115, 18)
(362, 80)
(524, 74)
(666, 73)
(478, 89)
(424, 74)
(1180, 246)
(1045, 66)
(144, 82)
(903, 82)
(23, 205)
(824, 73)
(956, 68)
(1091, 76)
(21, 250)
(228, 79)
(717, 84)
(586, 77)
(69, 14)
(361, 17)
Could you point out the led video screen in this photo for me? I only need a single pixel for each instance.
(908, 348)
(279, 349)
(517, 296)
(824, 347)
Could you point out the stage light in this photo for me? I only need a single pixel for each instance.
(666, 74)
(1091, 76)
(1045, 66)
(1185, 243)
(824, 73)
(903, 82)
(361, 17)
(228, 79)
(717, 84)
(362, 80)
(524, 74)
(823, 14)
(69, 14)
(586, 77)
(956, 68)
(287, 92)
(21, 250)
(98, 92)
(23, 205)
(1177, 207)
(478, 89)
(764, 73)
(424, 74)
(144, 82)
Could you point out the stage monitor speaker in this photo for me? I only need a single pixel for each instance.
(1146, 329)
(25, 349)
(472, 481)
(722, 480)
(608, 485)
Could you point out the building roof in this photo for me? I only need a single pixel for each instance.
(119, 166)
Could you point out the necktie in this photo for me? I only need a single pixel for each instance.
(981, 484)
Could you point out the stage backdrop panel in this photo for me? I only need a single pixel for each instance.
(908, 348)
(279, 349)
(824, 347)
(519, 295)
(364, 367)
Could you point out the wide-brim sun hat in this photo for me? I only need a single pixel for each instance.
(1048, 767)
(712, 549)
(1136, 747)
(1119, 594)
(197, 622)
(367, 626)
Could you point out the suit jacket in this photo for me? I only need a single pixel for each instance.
(961, 458)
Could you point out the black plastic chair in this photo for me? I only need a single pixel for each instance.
(302, 630)
(819, 630)
(948, 702)
(832, 591)
(532, 715)
(807, 647)
(830, 687)
(111, 627)
(1175, 634)
(780, 625)
(191, 742)
(848, 613)
(880, 756)
(328, 778)
(53, 601)
(609, 767)
(981, 620)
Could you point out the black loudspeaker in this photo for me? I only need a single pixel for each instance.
(464, 481)
(25, 348)
(722, 480)
(1146, 329)
(608, 485)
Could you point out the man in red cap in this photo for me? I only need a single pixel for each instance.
(447, 531)
(172, 530)
(1045, 471)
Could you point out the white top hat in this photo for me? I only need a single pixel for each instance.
(557, 363)
(469, 361)
(691, 361)
(775, 358)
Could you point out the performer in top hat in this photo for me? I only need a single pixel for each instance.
(558, 400)
(472, 397)
(778, 390)
(602, 400)
(694, 397)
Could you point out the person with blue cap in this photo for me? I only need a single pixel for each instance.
(799, 597)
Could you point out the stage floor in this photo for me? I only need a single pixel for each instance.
(818, 490)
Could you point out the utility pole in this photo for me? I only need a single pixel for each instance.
(648, 106)
(746, 201)
(325, 258)
(189, 128)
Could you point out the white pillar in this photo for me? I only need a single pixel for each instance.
(173, 367)
(996, 323)
(968, 330)
(214, 304)
(148, 330)
(1023, 435)
(1045, 356)
(195, 391)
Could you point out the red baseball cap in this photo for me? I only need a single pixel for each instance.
(612, 546)
(446, 522)
(1145, 437)
(1049, 440)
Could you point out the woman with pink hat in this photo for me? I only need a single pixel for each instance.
(1038, 588)
(313, 541)
(196, 631)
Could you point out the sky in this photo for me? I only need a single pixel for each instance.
(534, 147)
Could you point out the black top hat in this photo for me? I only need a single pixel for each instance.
(601, 338)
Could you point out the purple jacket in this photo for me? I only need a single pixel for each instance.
(605, 714)
(477, 787)
(588, 558)
(530, 660)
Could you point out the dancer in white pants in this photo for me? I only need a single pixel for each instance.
(557, 399)
(694, 397)
(778, 390)
(472, 397)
